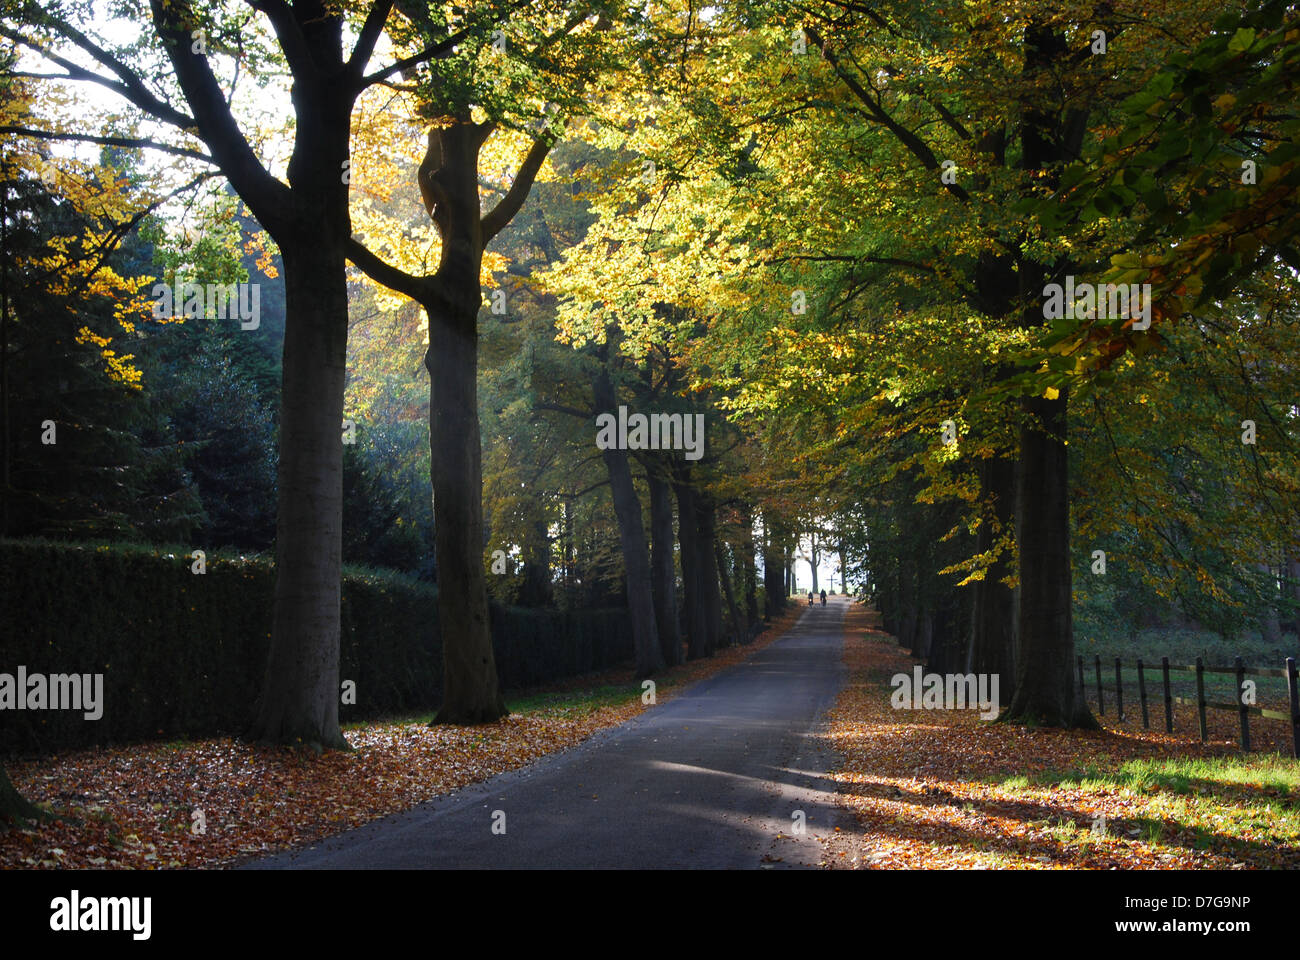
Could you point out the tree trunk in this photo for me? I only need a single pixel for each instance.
(693, 577)
(908, 611)
(300, 695)
(1292, 593)
(536, 590)
(708, 569)
(724, 576)
(749, 572)
(14, 810)
(773, 578)
(471, 689)
(1270, 624)
(631, 534)
(662, 570)
(1046, 694)
(994, 611)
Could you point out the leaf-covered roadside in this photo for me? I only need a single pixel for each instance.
(136, 806)
(940, 789)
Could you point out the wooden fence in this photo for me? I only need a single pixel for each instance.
(1243, 710)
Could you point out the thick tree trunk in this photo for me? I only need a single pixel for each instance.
(300, 695)
(993, 617)
(14, 810)
(663, 571)
(724, 575)
(908, 611)
(693, 577)
(1046, 694)
(773, 580)
(749, 572)
(471, 689)
(708, 568)
(631, 533)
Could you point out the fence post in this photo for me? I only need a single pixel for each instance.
(1241, 705)
(1294, 697)
(1200, 697)
(1142, 695)
(1119, 692)
(1169, 700)
(1101, 705)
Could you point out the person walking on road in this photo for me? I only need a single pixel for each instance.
(823, 598)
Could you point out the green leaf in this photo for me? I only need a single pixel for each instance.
(1242, 40)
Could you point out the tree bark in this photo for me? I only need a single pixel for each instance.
(14, 809)
(993, 617)
(663, 570)
(631, 532)
(749, 571)
(1046, 694)
(708, 570)
(724, 575)
(449, 180)
(693, 577)
(300, 695)
(773, 576)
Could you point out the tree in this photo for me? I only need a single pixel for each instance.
(448, 180)
(308, 219)
(14, 810)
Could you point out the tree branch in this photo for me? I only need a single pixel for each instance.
(504, 212)
(140, 142)
(380, 271)
(269, 199)
(370, 33)
(130, 87)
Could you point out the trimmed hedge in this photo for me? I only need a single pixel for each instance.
(183, 655)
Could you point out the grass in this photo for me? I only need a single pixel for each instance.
(579, 701)
(1259, 772)
(1207, 801)
(576, 701)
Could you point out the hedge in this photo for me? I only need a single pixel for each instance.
(183, 655)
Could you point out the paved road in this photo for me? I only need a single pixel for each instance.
(706, 780)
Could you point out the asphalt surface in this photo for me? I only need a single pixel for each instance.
(711, 779)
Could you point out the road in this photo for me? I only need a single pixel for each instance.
(711, 779)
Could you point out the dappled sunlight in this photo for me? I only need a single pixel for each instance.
(941, 789)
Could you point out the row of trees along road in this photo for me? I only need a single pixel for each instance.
(832, 222)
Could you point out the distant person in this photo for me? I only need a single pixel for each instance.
(823, 598)
(810, 598)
